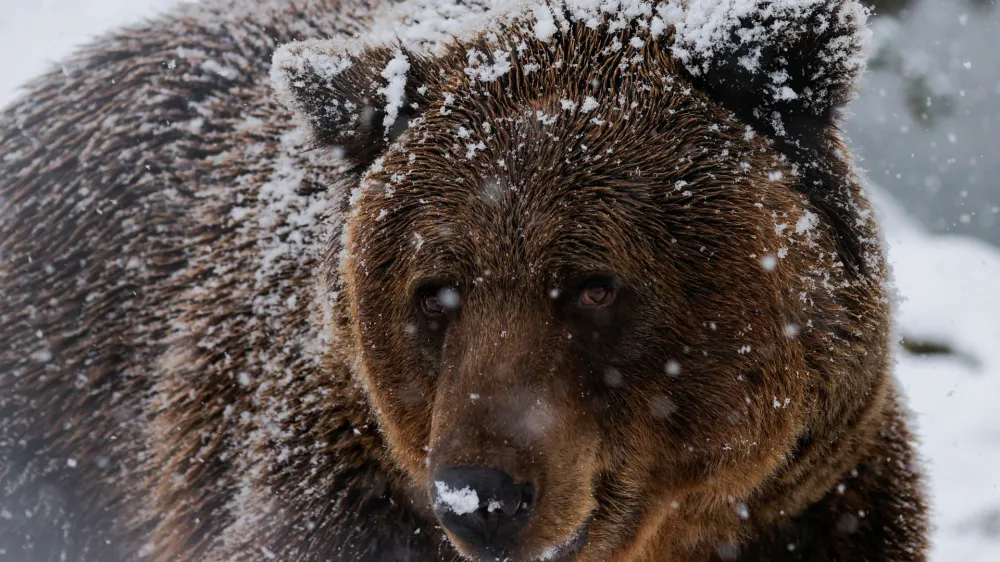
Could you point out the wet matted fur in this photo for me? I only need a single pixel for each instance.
(212, 342)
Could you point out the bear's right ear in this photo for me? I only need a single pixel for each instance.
(357, 101)
(785, 67)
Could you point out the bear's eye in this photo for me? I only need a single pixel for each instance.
(431, 305)
(439, 300)
(597, 294)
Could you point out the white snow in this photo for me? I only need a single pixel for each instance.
(806, 222)
(325, 58)
(947, 284)
(768, 262)
(673, 368)
(479, 69)
(703, 28)
(545, 24)
(459, 501)
(449, 298)
(395, 90)
(42, 356)
(949, 293)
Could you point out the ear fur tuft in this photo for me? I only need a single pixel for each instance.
(357, 100)
(786, 66)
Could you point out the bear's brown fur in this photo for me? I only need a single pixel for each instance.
(218, 345)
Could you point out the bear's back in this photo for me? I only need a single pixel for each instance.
(153, 198)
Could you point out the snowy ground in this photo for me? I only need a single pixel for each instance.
(948, 287)
(950, 294)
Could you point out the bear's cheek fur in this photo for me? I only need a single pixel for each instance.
(398, 387)
(402, 392)
(693, 426)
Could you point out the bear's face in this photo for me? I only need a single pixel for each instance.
(583, 306)
(576, 289)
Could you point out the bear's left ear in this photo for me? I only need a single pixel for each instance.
(785, 66)
(356, 100)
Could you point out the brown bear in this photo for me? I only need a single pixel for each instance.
(513, 281)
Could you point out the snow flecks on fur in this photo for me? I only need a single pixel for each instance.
(395, 88)
(806, 222)
(429, 25)
(589, 104)
(702, 28)
(324, 58)
(707, 29)
(481, 69)
(553, 552)
(545, 23)
(702, 34)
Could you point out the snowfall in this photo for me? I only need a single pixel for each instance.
(947, 287)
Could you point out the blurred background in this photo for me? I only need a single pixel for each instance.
(927, 122)
(926, 130)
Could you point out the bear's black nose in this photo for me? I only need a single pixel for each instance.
(483, 507)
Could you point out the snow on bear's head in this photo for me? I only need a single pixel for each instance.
(594, 247)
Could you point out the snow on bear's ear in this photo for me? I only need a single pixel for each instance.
(358, 100)
(786, 66)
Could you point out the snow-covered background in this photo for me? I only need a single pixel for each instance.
(936, 93)
(949, 285)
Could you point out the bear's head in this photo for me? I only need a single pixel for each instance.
(594, 261)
